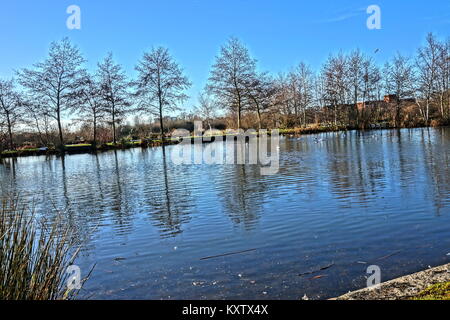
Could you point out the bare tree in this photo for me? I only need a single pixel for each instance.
(113, 84)
(443, 78)
(357, 63)
(336, 82)
(92, 104)
(36, 117)
(319, 95)
(427, 63)
(260, 91)
(54, 81)
(233, 69)
(372, 92)
(283, 102)
(11, 108)
(302, 85)
(372, 82)
(206, 108)
(160, 85)
(399, 80)
(293, 96)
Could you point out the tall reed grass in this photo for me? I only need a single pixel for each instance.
(34, 256)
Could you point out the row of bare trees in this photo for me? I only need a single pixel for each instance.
(336, 93)
(340, 93)
(60, 86)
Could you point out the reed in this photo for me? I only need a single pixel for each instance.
(34, 256)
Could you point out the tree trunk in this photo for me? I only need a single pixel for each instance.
(296, 114)
(95, 132)
(45, 143)
(335, 115)
(161, 124)
(355, 115)
(114, 124)
(61, 139)
(239, 113)
(259, 119)
(11, 144)
(10, 136)
(258, 113)
(114, 131)
(304, 117)
(397, 115)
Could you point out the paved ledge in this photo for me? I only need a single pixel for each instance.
(402, 288)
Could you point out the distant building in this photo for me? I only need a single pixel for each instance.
(167, 118)
(390, 98)
(361, 105)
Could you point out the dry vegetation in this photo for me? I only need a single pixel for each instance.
(33, 257)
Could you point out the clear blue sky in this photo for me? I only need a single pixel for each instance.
(278, 33)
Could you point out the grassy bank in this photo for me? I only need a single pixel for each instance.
(83, 148)
(440, 291)
(313, 129)
(430, 284)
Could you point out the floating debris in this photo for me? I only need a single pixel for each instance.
(389, 255)
(228, 254)
(320, 269)
(120, 259)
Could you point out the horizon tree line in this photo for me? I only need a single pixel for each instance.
(348, 90)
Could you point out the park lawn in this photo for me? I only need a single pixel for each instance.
(78, 145)
(19, 152)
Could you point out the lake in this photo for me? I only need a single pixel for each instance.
(339, 203)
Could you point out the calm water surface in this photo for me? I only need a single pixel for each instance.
(346, 200)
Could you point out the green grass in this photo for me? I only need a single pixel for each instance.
(10, 152)
(33, 257)
(20, 152)
(81, 145)
(124, 144)
(311, 129)
(30, 150)
(440, 291)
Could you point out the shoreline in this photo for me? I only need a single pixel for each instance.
(402, 288)
(159, 143)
